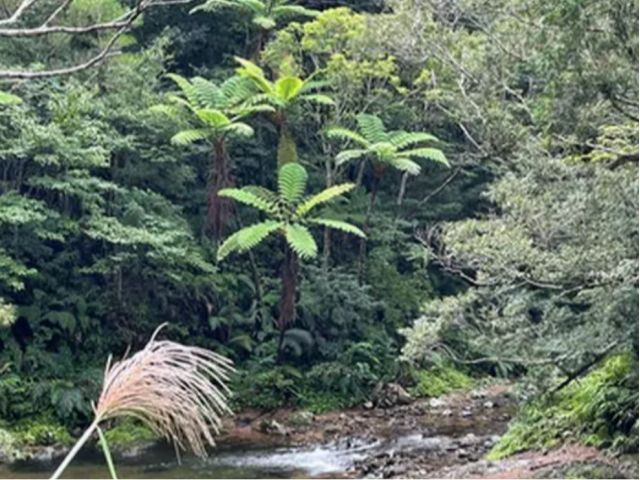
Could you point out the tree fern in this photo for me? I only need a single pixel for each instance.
(427, 153)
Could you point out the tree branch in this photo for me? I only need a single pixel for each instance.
(121, 24)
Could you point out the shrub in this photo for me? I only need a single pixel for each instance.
(600, 410)
(440, 380)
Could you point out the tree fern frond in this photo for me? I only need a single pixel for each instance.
(338, 225)
(213, 117)
(406, 165)
(208, 93)
(292, 180)
(213, 5)
(186, 137)
(263, 193)
(301, 241)
(239, 129)
(247, 238)
(186, 87)
(285, 11)
(403, 140)
(348, 155)
(255, 73)
(247, 197)
(314, 85)
(264, 21)
(324, 196)
(433, 154)
(319, 99)
(372, 128)
(340, 133)
(288, 88)
(236, 90)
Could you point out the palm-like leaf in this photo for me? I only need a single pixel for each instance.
(248, 197)
(292, 181)
(285, 11)
(324, 196)
(402, 140)
(288, 87)
(185, 137)
(372, 128)
(428, 153)
(348, 155)
(340, 133)
(301, 241)
(405, 165)
(318, 98)
(247, 238)
(338, 225)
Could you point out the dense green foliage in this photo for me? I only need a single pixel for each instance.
(489, 151)
(601, 410)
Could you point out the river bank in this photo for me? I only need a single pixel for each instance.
(393, 437)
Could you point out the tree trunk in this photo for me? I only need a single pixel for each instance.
(261, 40)
(378, 173)
(287, 307)
(401, 193)
(219, 209)
(287, 151)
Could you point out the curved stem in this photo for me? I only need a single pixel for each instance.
(76, 448)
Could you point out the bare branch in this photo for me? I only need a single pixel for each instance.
(18, 12)
(121, 25)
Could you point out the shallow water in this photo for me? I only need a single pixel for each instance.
(224, 462)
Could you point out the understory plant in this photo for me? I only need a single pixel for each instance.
(289, 214)
(178, 391)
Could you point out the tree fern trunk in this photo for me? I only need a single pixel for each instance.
(287, 307)
(287, 151)
(219, 210)
(362, 254)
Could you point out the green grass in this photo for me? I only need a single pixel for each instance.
(599, 410)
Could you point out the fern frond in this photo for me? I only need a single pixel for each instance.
(252, 71)
(338, 225)
(285, 11)
(236, 90)
(239, 129)
(264, 21)
(212, 117)
(292, 180)
(263, 193)
(403, 140)
(324, 196)
(301, 241)
(314, 85)
(247, 197)
(288, 88)
(372, 128)
(406, 165)
(348, 155)
(186, 87)
(433, 154)
(247, 238)
(185, 137)
(207, 92)
(319, 99)
(340, 133)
